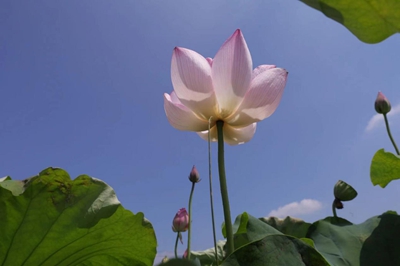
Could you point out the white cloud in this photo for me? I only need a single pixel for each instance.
(377, 120)
(306, 206)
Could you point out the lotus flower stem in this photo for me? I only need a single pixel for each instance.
(390, 134)
(190, 220)
(224, 189)
(176, 245)
(211, 194)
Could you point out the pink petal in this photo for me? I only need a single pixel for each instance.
(232, 135)
(210, 61)
(261, 69)
(181, 117)
(262, 99)
(231, 73)
(191, 78)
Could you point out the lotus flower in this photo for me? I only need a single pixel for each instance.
(382, 104)
(194, 176)
(224, 88)
(181, 221)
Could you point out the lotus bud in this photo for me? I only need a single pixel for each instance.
(194, 176)
(344, 192)
(382, 104)
(181, 221)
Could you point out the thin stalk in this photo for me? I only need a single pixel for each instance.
(211, 194)
(190, 220)
(176, 245)
(390, 134)
(334, 209)
(224, 189)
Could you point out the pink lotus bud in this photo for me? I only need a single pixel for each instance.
(194, 176)
(382, 104)
(185, 254)
(181, 221)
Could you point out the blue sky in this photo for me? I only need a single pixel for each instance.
(82, 83)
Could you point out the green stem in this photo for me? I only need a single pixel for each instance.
(190, 220)
(224, 189)
(390, 134)
(211, 194)
(176, 245)
(334, 209)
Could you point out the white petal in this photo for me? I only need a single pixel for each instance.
(231, 73)
(262, 99)
(232, 135)
(181, 117)
(204, 134)
(191, 78)
(235, 135)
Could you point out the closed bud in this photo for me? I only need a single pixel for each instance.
(382, 104)
(181, 221)
(194, 176)
(343, 191)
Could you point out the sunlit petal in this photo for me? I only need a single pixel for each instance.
(209, 60)
(262, 99)
(235, 136)
(231, 73)
(191, 78)
(232, 135)
(181, 117)
(261, 69)
(204, 134)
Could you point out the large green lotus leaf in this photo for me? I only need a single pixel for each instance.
(288, 226)
(385, 167)
(207, 257)
(277, 250)
(371, 21)
(374, 242)
(239, 225)
(249, 229)
(57, 221)
(15, 186)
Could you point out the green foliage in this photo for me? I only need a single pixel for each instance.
(277, 250)
(371, 21)
(207, 257)
(374, 242)
(251, 230)
(258, 242)
(288, 226)
(57, 221)
(15, 186)
(330, 241)
(239, 226)
(385, 167)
